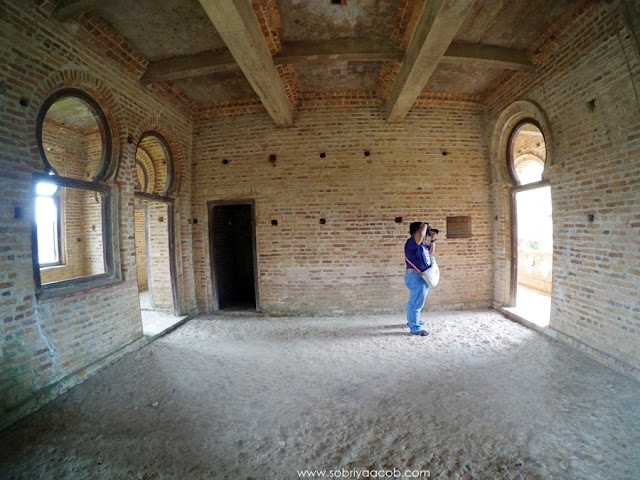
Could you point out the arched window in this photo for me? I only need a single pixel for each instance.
(153, 224)
(532, 224)
(72, 247)
(527, 153)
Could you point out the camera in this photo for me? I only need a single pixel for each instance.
(431, 230)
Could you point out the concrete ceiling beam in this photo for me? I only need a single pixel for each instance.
(436, 28)
(487, 56)
(189, 66)
(239, 28)
(369, 50)
(362, 50)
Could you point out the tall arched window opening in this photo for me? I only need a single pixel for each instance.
(154, 233)
(532, 224)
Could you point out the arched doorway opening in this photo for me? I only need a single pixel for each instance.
(154, 235)
(532, 225)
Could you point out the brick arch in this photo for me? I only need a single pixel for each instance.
(145, 160)
(175, 145)
(501, 184)
(507, 121)
(94, 88)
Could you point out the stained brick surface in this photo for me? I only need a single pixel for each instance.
(141, 247)
(584, 93)
(47, 346)
(596, 171)
(354, 261)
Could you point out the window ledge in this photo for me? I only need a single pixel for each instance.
(52, 266)
(75, 285)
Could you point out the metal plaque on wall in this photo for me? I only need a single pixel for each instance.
(459, 227)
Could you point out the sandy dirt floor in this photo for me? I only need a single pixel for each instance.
(245, 397)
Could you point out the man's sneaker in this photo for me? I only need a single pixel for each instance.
(422, 333)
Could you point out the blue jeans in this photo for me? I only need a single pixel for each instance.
(418, 290)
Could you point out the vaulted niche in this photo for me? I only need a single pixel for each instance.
(71, 240)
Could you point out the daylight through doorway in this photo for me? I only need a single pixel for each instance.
(535, 255)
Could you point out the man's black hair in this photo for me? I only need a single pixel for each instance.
(414, 227)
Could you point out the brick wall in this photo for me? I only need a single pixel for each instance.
(160, 280)
(587, 86)
(92, 208)
(92, 241)
(355, 260)
(47, 346)
(141, 247)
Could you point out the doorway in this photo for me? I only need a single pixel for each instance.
(153, 256)
(534, 264)
(233, 255)
(532, 225)
(154, 235)
(155, 264)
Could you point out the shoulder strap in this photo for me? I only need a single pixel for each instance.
(414, 267)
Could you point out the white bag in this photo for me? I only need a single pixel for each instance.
(432, 274)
